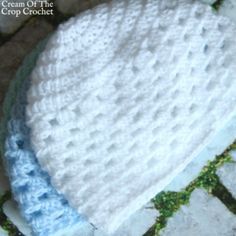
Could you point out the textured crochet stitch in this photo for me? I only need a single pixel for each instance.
(22, 164)
(46, 211)
(125, 96)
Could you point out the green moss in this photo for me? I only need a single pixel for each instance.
(151, 231)
(4, 222)
(217, 4)
(208, 178)
(169, 202)
(4, 198)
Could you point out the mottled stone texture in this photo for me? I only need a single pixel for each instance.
(13, 52)
(11, 210)
(227, 175)
(4, 183)
(204, 216)
(229, 9)
(9, 23)
(3, 232)
(75, 6)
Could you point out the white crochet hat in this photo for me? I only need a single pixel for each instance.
(125, 96)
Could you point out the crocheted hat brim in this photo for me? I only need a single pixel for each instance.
(125, 96)
(44, 209)
(50, 215)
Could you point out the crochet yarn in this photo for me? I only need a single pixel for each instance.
(46, 211)
(125, 96)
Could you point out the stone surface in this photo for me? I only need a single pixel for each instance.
(228, 8)
(138, 224)
(9, 23)
(3, 232)
(204, 216)
(208, 1)
(76, 6)
(12, 16)
(13, 52)
(11, 211)
(4, 183)
(227, 175)
(233, 154)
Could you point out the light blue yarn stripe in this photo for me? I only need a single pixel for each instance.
(45, 210)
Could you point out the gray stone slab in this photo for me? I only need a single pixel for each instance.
(3, 232)
(9, 23)
(11, 211)
(204, 216)
(227, 175)
(75, 6)
(13, 52)
(4, 183)
(228, 9)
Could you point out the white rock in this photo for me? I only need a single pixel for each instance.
(204, 216)
(228, 8)
(227, 175)
(75, 6)
(3, 232)
(11, 210)
(138, 224)
(208, 1)
(9, 22)
(233, 154)
(82, 228)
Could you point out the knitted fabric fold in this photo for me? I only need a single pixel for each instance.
(125, 96)
(46, 211)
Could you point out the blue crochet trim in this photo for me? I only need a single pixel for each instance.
(44, 209)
